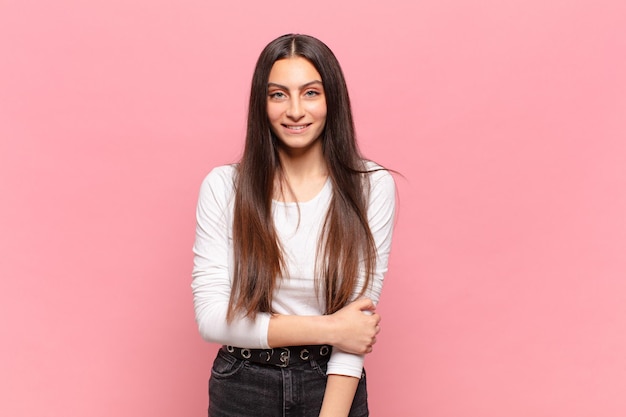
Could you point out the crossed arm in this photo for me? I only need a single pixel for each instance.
(352, 329)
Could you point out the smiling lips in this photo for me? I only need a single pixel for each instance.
(296, 127)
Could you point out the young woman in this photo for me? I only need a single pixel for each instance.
(291, 247)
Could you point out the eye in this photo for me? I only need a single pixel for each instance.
(311, 93)
(277, 95)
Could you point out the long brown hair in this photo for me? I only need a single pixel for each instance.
(346, 248)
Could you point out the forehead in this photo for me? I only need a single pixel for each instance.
(294, 71)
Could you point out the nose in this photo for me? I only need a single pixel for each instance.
(295, 111)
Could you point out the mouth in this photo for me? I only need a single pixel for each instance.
(296, 127)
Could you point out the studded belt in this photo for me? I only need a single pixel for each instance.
(285, 356)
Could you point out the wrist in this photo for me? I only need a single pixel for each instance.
(325, 330)
(330, 330)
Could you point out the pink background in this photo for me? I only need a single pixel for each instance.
(507, 288)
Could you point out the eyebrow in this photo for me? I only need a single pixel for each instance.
(302, 87)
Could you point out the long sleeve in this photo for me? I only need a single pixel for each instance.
(211, 284)
(381, 212)
(298, 227)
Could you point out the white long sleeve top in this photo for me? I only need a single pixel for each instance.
(298, 233)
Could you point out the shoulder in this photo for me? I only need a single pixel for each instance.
(219, 184)
(221, 177)
(380, 179)
(381, 197)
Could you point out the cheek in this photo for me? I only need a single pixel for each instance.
(272, 113)
(319, 110)
(322, 115)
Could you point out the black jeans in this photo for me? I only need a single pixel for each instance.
(240, 388)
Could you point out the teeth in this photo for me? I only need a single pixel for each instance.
(296, 127)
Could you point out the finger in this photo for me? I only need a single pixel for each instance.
(377, 317)
(365, 304)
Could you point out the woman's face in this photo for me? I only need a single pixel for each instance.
(296, 104)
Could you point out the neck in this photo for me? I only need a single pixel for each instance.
(303, 176)
(303, 166)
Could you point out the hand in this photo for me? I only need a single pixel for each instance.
(355, 327)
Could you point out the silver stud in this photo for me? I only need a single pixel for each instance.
(285, 355)
(268, 353)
